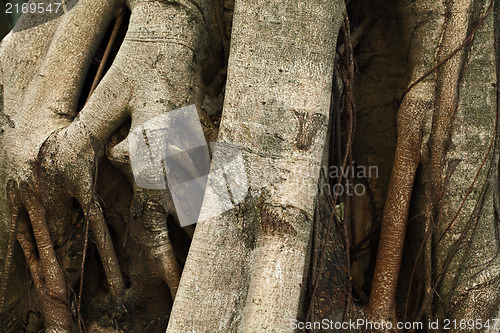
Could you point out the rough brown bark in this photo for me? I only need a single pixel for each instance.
(416, 103)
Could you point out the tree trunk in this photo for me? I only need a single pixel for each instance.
(252, 257)
(102, 251)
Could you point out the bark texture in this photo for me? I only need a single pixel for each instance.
(423, 30)
(466, 238)
(426, 92)
(276, 109)
(51, 150)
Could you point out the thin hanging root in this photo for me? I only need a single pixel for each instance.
(107, 252)
(55, 310)
(107, 52)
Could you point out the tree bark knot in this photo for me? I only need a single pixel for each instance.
(308, 127)
(272, 223)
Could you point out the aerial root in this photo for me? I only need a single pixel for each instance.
(106, 250)
(46, 272)
(169, 270)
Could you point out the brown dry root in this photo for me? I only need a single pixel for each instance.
(392, 234)
(47, 274)
(106, 250)
(410, 119)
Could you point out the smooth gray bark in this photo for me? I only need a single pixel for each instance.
(244, 268)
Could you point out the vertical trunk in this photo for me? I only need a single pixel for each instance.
(245, 266)
(466, 240)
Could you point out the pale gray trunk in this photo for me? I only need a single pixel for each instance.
(244, 268)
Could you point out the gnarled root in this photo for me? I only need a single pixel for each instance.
(46, 271)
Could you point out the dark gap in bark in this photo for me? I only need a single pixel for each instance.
(94, 282)
(179, 239)
(120, 134)
(330, 285)
(96, 59)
